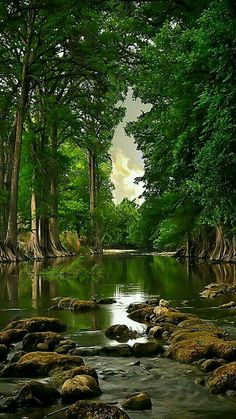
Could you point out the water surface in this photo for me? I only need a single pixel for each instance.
(30, 289)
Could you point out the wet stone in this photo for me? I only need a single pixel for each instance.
(37, 324)
(147, 349)
(138, 401)
(46, 341)
(93, 409)
(80, 387)
(3, 352)
(223, 379)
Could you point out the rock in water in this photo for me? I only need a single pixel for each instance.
(94, 410)
(223, 379)
(39, 364)
(32, 340)
(138, 401)
(80, 387)
(147, 348)
(38, 324)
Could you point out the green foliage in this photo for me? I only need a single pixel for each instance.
(188, 137)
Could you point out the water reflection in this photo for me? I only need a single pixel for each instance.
(32, 286)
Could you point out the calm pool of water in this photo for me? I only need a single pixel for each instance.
(30, 289)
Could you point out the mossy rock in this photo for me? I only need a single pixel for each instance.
(59, 377)
(32, 340)
(32, 390)
(120, 332)
(188, 347)
(147, 349)
(94, 410)
(141, 315)
(195, 324)
(223, 379)
(77, 305)
(38, 324)
(39, 364)
(170, 315)
(80, 387)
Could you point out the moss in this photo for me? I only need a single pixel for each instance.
(38, 324)
(223, 379)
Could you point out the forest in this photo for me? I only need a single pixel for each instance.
(65, 70)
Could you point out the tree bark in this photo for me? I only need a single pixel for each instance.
(93, 198)
(11, 236)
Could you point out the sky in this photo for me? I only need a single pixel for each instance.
(126, 159)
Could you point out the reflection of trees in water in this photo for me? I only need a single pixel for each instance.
(220, 272)
(9, 281)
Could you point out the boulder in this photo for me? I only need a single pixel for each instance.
(120, 332)
(153, 301)
(164, 303)
(138, 401)
(94, 410)
(31, 341)
(169, 315)
(38, 324)
(147, 349)
(79, 387)
(141, 315)
(10, 336)
(3, 352)
(195, 324)
(35, 393)
(188, 347)
(223, 379)
(59, 377)
(39, 364)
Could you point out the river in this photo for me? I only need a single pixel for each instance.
(29, 289)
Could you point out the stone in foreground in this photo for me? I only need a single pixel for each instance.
(147, 349)
(223, 379)
(39, 364)
(80, 387)
(140, 401)
(94, 410)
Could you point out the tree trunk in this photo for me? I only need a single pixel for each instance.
(34, 246)
(93, 197)
(220, 245)
(11, 236)
(56, 246)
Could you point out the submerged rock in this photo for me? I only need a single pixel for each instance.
(8, 404)
(138, 401)
(94, 410)
(80, 387)
(32, 340)
(77, 305)
(147, 349)
(223, 379)
(38, 364)
(37, 324)
(120, 332)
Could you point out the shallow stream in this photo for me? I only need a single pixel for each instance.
(29, 289)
